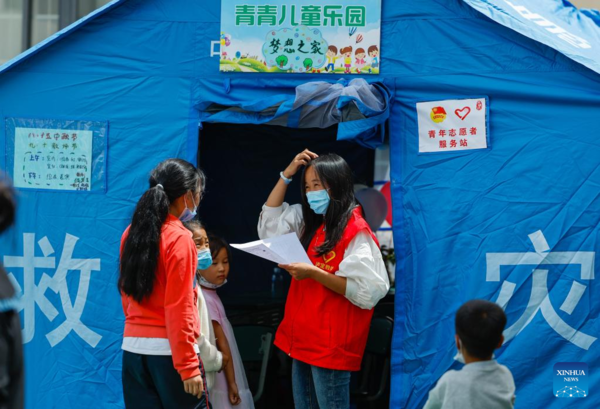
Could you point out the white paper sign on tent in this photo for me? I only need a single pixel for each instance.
(452, 125)
(284, 249)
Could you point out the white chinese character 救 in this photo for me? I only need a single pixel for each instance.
(33, 294)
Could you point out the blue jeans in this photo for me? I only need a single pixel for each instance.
(320, 388)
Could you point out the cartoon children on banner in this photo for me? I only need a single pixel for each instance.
(331, 55)
(359, 54)
(374, 54)
(346, 52)
(360, 61)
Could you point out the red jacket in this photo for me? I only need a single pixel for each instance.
(170, 311)
(321, 327)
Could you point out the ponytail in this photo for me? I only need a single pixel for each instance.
(139, 259)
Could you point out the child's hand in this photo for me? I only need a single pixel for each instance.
(299, 271)
(301, 159)
(234, 395)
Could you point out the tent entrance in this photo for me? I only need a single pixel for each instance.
(242, 164)
(243, 144)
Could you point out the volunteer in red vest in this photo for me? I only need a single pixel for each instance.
(161, 363)
(330, 302)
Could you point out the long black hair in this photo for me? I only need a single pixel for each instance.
(335, 173)
(7, 205)
(139, 258)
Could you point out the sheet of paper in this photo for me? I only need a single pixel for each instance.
(284, 249)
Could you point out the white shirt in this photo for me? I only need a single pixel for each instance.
(478, 385)
(367, 278)
(149, 346)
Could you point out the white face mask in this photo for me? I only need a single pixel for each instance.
(205, 283)
(459, 355)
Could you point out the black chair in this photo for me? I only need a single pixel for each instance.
(373, 378)
(255, 343)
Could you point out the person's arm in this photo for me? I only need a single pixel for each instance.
(124, 297)
(302, 271)
(212, 359)
(362, 277)
(278, 218)
(223, 345)
(437, 394)
(181, 312)
(277, 221)
(363, 266)
(277, 195)
(433, 401)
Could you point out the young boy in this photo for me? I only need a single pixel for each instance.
(482, 382)
(331, 57)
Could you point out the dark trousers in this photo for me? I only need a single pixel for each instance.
(151, 382)
(11, 361)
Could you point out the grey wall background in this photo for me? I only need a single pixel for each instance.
(24, 23)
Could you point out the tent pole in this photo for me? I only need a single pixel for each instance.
(26, 27)
(67, 13)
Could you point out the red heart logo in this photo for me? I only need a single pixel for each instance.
(462, 113)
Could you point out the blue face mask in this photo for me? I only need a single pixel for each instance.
(188, 214)
(204, 259)
(318, 201)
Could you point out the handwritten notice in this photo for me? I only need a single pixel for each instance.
(54, 159)
(452, 125)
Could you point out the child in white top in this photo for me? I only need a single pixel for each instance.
(482, 383)
(212, 358)
(230, 387)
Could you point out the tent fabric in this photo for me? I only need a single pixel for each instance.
(144, 67)
(358, 107)
(557, 24)
(452, 212)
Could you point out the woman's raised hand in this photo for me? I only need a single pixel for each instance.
(301, 159)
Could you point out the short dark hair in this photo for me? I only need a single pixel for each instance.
(373, 48)
(332, 48)
(217, 243)
(479, 325)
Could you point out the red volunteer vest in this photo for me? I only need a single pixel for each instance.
(321, 327)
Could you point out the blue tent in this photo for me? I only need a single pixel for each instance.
(515, 223)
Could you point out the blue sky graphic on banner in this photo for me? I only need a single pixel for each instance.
(301, 36)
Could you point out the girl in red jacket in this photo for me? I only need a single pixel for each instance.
(330, 302)
(161, 365)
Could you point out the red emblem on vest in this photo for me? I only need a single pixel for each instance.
(329, 256)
